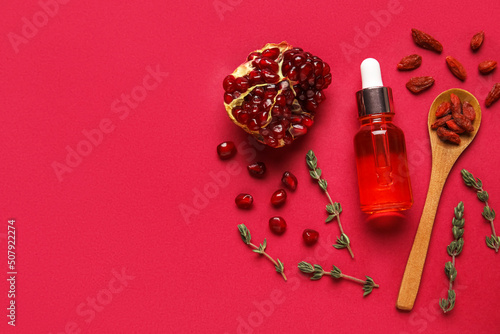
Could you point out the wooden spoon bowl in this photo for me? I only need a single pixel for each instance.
(444, 155)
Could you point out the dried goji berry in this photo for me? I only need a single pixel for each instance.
(456, 104)
(477, 41)
(493, 95)
(468, 111)
(440, 122)
(456, 68)
(443, 109)
(487, 66)
(426, 41)
(419, 84)
(463, 122)
(410, 62)
(454, 127)
(447, 135)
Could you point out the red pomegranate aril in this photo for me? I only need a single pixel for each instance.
(289, 180)
(228, 97)
(307, 121)
(298, 130)
(255, 78)
(244, 201)
(305, 71)
(269, 64)
(310, 236)
(229, 84)
(257, 169)
(277, 225)
(278, 131)
(253, 55)
(242, 84)
(271, 53)
(269, 76)
(294, 74)
(226, 150)
(278, 198)
(253, 124)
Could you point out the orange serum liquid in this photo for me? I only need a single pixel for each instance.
(380, 149)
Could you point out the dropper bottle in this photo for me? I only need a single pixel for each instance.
(383, 176)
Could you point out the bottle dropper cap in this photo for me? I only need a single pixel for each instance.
(374, 98)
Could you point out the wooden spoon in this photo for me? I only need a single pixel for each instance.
(444, 155)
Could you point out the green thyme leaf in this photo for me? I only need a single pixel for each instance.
(323, 184)
(313, 175)
(336, 272)
(280, 268)
(316, 276)
(337, 207)
(306, 267)
(482, 196)
(318, 172)
(245, 234)
(330, 218)
(318, 268)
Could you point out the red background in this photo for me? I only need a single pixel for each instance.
(119, 208)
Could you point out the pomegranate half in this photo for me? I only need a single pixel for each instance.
(275, 93)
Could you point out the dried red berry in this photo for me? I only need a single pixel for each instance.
(410, 62)
(278, 198)
(289, 180)
(244, 201)
(493, 95)
(440, 122)
(277, 225)
(456, 104)
(468, 111)
(257, 169)
(426, 41)
(261, 93)
(419, 84)
(487, 66)
(456, 68)
(454, 127)
(477, 41)
(443, 109)
(463, 122)
(310, 236)
(226, 150)
(447, 135)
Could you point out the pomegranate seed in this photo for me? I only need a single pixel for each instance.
(289, 180)
(298, 130)
(257, 169)
(242, 84)
(253, 124)
(253, 55)
(277, 225)
(228, 97)
(226, 150)
(271, 53)
(278, 198)
(244, 201)
(228, 84)
(310, 236)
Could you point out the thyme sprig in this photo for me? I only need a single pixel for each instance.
(336, 273)
(488, 213)
(333, 208)
(246, 237)
(454, 249)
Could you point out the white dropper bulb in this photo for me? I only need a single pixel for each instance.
(370, 73)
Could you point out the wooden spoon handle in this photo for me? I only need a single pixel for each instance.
(416, 260)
